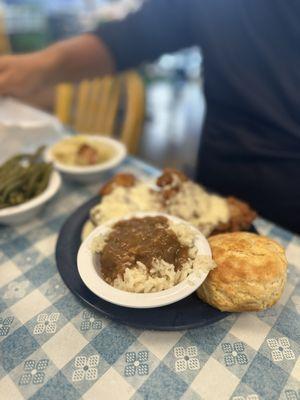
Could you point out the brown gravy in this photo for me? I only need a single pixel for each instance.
(140, 239)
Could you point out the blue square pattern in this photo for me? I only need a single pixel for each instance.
(186, 359)
(112, 342)
(190, 394)
(136, 364)
(46, 324)
(18, 245)
(163, 384)
(85, 369)
(55, 210)
(42, 272)
(33, 373)
(69, 306)
(2, 372)
(56, 223)
(294, 300)
(3, 257)
(244, 392)
(290, 394)
(57, 388)
(89, 323)
(227, 322)
(234, 354)
(280, 349)
(62, 206)
(16, 348)
(265, 378)
(291, 391)
(293, 274)
(285, 321)
(270, 315)
(28, 259)
(3, 305)
(54, 288)
(207, 337)
(8, 324)
(15, 290)
(39, 232)
(7, 234)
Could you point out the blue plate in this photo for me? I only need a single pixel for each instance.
(187, 313)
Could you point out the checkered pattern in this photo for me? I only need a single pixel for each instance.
(53, 347)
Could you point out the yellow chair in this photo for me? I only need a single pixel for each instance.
(4, 40)
(112, 106)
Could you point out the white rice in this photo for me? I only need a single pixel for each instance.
(162, 275)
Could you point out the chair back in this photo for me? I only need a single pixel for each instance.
(112, 106)
(4, 40)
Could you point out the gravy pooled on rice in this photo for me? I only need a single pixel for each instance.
(148, 254)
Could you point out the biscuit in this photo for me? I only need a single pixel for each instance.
(250, 273)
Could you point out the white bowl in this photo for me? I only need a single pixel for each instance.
(24, 212)
(91, 173)
(92, 279)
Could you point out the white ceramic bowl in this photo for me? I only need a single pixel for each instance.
(91, 173)
(89, 275)
(25, 212)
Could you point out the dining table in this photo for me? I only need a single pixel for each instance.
(53, 346)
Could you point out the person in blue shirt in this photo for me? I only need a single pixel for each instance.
(250, 146)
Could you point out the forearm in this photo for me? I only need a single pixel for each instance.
(159, 26)
(71, 60)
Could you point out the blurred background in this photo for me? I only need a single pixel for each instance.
(174, 100)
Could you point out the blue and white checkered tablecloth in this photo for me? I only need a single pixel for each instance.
(52, 346)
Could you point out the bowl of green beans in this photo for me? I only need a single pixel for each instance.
(27, 183)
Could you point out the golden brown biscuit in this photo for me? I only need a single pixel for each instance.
(250, 273)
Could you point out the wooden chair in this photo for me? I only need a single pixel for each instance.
(112, 106)
(4, 40)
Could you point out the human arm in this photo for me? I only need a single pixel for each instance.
(70, 60)
(158, 26)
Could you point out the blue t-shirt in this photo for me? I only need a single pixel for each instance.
(250, 146)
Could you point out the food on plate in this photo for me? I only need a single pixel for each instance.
(125, 194)
(207, 211)
(190, 201)
(119, 180)
(250, 273)
(174, 194)
(23, 177)
(82, 151)
(148, 254)
(241, 217)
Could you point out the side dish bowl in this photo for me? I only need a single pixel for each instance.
(22, 213)
(92, 279)
(90, 173)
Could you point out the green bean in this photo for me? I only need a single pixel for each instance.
(14, 186)
(6, 172)
(32, 181)
(11, 180)
(16, 198)
(37, 155)
(14, 160)
(44, 181)
(23, 177)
